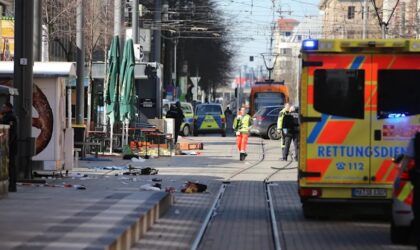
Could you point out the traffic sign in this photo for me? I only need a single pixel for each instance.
(195, 79)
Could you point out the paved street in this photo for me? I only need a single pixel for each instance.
(39, 212)
(176, 230)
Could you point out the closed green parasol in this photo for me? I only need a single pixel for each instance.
(127, 89)
(111, 96)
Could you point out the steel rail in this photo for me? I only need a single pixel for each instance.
(209, 215)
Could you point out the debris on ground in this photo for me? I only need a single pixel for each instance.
(78, 175)
(170, 190)
(142, 171)
(194, 187)
(121, 168)
(139, 159)
(148, 187)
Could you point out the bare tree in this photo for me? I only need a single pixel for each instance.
(58, 18)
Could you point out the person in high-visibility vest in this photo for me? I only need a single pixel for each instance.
(282, 113)
(241, 125)
(416, 187)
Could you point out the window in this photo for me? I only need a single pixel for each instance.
(274, 112)
(398, 93)
(286, 51)
(265, 99)
(350, 12)
(209, 110)
(339, 92)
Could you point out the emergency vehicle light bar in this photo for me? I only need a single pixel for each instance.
(359, 45)
(310, 45)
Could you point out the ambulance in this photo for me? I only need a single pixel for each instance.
(360, 104)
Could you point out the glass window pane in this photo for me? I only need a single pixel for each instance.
(398, 93)
(339, 92)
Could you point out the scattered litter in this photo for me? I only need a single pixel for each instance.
(134, 159)
(125, 183)
(47, 175)
(113, 168)
(94, 159)
(78, 175)
(65, 185)
(191, 187)
(170, 190)
(156, 180)
(79, 187)
(148, 187)
(176, 211)
(158, 185)
(142, 171)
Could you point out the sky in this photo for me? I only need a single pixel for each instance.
(252, 21)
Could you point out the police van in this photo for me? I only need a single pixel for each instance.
(360, 104)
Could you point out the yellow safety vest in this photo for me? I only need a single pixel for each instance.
(242, 124)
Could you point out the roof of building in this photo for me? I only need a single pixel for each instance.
(287, 24)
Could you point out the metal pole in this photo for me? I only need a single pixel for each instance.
(135, 21)
(23, 81)
(365, 18)
(118, 22)
(156, 32)
(175, 55)
(402, 20)
(383, 29)
(418, 19)
(37, 30)
(80, 58)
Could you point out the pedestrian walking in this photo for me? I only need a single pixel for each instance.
(291, 132)
(241, 125)
(282, 113)
(9, 118)
(177, 114)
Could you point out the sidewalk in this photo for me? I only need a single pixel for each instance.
(110, 213)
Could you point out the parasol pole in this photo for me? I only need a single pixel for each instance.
(111, 135)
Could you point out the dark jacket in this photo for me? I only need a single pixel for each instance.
(177, 114)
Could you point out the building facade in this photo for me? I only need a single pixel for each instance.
(344, 19)
(288, 40)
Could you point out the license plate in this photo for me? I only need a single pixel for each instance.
(369, 192)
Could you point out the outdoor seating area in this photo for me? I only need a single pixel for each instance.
(144, 142)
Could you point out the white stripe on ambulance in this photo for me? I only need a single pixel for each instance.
(359, 151)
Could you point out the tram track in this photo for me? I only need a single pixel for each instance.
(276, 235)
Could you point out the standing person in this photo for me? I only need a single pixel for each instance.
(415, 153)
(228, 117)
(177, 114)
(9, 118)
(291, 128)
(189, 95)
(241, 125)
(282, 113)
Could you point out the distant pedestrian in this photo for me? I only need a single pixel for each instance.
(177, 114)
(280, 128)
(229, 119)
(291, 132)
(241, 125)
(9, 118)
(189, 95)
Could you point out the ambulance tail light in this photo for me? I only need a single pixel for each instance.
(310, 45)
(310, 192)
